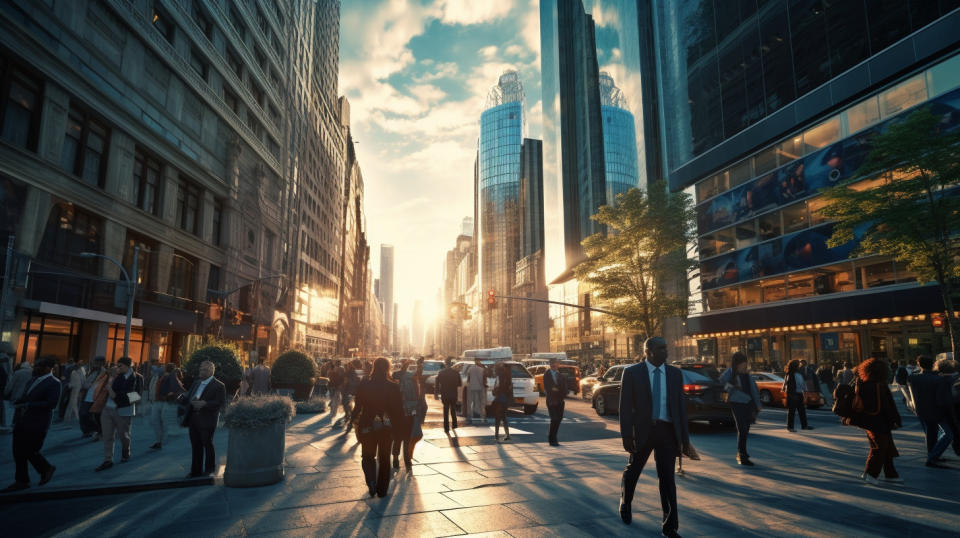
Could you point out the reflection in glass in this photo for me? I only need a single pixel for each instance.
(903, 96)
(863, 115)
(774, 290)
(769, 225)
(878, 274)
(795, 217)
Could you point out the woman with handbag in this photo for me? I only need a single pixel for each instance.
(875, 412)
(744, 401)
(795, 387)
(377, 407)
(502, 396)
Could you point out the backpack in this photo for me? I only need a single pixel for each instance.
(843, 396)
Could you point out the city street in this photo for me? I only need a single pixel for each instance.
(805, 484)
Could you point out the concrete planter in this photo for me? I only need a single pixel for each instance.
(301, 391)
(255, 456)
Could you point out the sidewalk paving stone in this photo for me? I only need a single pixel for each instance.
(487, 518)
(421, 524)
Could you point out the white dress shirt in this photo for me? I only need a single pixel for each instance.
(203, 385)
(664, 411)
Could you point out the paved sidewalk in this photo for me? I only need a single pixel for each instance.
(805, 484)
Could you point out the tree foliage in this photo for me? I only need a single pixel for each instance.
(913, 212)
(222, 354)
(638, 268)
(293, 367)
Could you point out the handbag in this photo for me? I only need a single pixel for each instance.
(134, 397)
(860, 408)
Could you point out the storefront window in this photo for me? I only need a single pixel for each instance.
(774, 290)
(751, 294)
(801, 347)
(795, 217)
(139, 347)
(769, 225)
(725, 240)
(720, 299)
(800, 285)
(42, 335)
(746, 233)
(878, 274)
(908, 93)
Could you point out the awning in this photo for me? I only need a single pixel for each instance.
(167, 318)
(86, 313)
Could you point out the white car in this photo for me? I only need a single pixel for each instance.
(525, 394)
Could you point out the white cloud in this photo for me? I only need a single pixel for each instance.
(475, 11)
(515, 50)
(488, 52)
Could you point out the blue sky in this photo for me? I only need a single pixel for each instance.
(416, 74)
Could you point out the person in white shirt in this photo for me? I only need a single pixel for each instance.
(476, 392)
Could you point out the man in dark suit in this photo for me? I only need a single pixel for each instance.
(446, 387)
(555, 385)
(653, 418)
(931, 400)
(206, 397)
(37, 404)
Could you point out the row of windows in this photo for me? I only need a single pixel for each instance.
(774, 224)
(935, 81)
(848, 276)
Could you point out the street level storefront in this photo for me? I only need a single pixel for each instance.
(896, 325)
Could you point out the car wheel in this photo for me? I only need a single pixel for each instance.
(529, 409)
(600, 404)
(766, 398)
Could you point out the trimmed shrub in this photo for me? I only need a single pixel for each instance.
(258, 412)
(223, 355)
(312, 406)
(292, 368)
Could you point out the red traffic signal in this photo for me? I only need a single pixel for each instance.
(937, 320)
(491, 299)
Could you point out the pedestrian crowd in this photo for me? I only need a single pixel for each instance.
(386, 410)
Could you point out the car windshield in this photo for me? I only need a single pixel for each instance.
(432, 366)
(516, 369)
(694, 377)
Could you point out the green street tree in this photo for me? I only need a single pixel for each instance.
(638, 267)
(910, 214)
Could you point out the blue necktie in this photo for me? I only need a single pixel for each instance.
(655, 389)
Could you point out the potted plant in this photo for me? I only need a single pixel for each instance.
(257, 440)
(312, 406)
(294, 370)
(223, 355)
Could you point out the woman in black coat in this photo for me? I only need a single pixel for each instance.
(879, 417)
(377, 408)
(744, 401)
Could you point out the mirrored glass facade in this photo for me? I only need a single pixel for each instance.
(619, 140)
(501, 137)
(725, 65)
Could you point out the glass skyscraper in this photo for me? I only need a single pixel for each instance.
(619, 140)
(763, 105)
(499, 170)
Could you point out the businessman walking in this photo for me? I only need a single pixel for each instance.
(555, 385)
(653, 418)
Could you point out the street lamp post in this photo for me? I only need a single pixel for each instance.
(131, 290)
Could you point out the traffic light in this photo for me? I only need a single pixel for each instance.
(491, 299)
(937, 320)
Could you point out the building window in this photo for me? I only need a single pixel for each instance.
(202, 22)
(231, 100)
(198, 63)
(144, 275)
(146, 182)
(217, 224)
(20, 113)
(182, 276)
(908, 93)
(235, 64)
(237, 22)
(188, 206)
(85, 147)
(256, 92)
(863, 115)
(70, 231)
(822, 135)
(163, 24)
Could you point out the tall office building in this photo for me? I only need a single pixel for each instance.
(766, 103)
(573, 166)
(156, 125)
(386, 291)
(530, 318)
(417, 327)
(501, 135)
(466, 226)
(316, 153)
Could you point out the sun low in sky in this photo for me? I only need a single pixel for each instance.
(416, 74)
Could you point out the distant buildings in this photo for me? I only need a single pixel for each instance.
(386, 292)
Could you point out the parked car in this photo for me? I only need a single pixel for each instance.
(702, 368)
(770, 386)
(572, 373)
(706, 399)
(525, 394)
(588, 384)
(430, 370)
